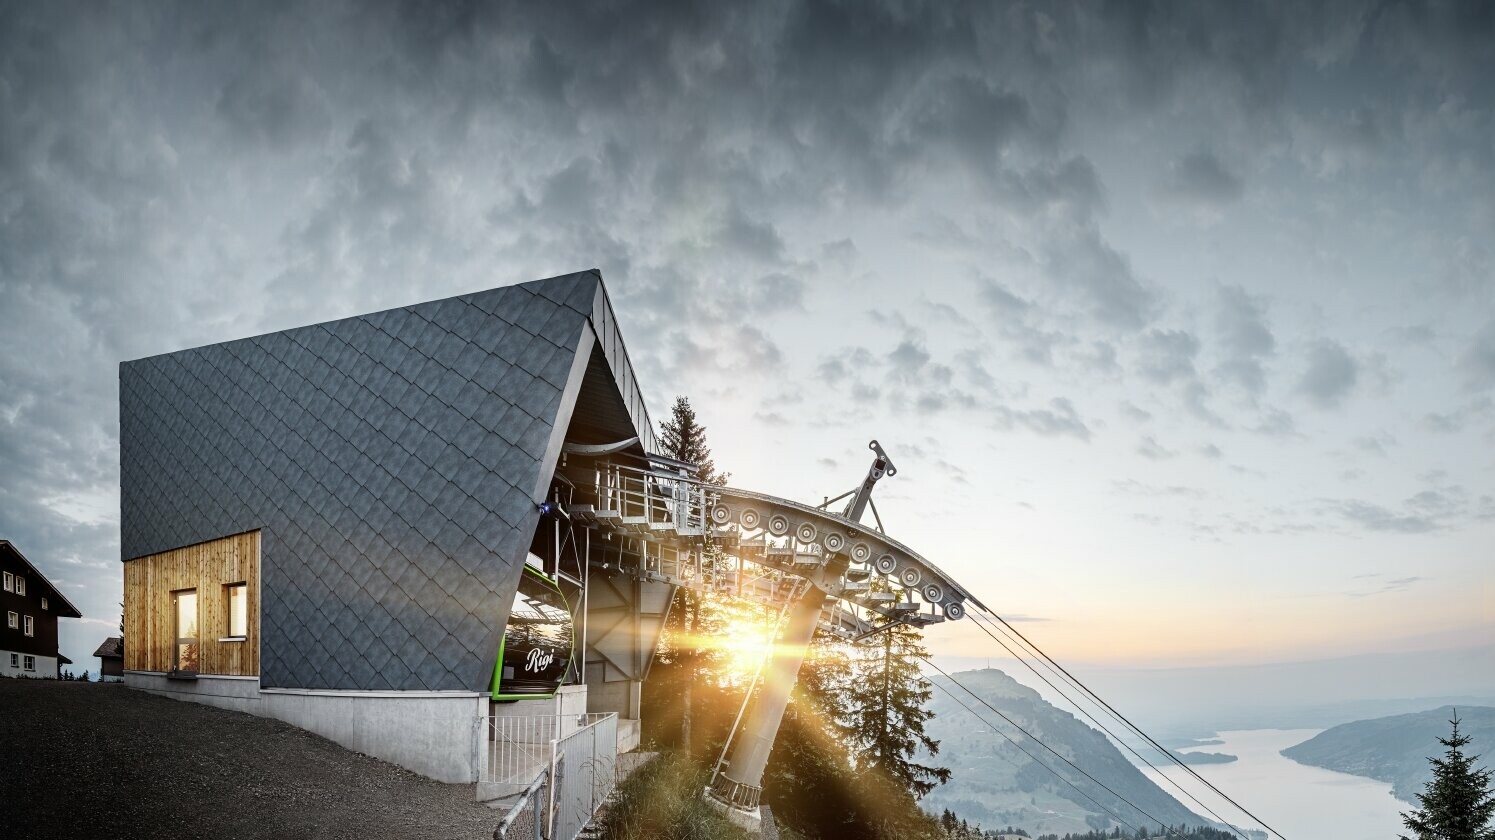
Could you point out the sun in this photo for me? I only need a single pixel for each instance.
(743, 643)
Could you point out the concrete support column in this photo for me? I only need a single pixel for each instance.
(736, 790)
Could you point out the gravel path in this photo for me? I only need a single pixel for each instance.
(101, 760)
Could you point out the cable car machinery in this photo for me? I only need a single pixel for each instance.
(814, 565)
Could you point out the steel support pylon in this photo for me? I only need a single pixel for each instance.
(736, 790)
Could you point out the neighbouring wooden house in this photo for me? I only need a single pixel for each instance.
(111, 656)
(32, 605)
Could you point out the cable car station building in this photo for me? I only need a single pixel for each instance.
(389, 528)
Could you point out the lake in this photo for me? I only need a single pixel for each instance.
(1304, 803)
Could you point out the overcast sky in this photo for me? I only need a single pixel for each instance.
(1178, 319)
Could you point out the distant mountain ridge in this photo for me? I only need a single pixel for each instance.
(994, 783)
(1395, 749)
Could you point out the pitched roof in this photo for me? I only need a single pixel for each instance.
(112, 648)
(69, 610)
(393, 462)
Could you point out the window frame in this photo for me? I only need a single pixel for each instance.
(28, 663)
(44, 602)
(10, 582)
(15, 660)
(179, 640)
(228, 611)
(20, 585)
(28, 625)
(12, 620)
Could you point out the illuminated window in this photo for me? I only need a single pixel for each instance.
(30, 626)
(238, 610)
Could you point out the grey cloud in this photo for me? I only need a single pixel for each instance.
(276, 108)
(1331, 374)
(1013, 316)
(1200, 178)
(1132, 487)
(1276, 423)
(1477, 362)
(1381, 585)
(1245, 339)
(1376, 518)
(1060, 419)
(1167, 355)
(1441, 508)
(908, 359)
(1452, 422)
(1149, 448)
(1375, 445)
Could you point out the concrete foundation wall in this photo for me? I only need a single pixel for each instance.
(46, 666)
(621, 696)
(433, 733)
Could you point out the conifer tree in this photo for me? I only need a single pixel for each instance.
(1457, 804)
(683, 438)
(887, 713)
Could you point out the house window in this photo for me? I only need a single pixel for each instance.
(12, 620)
(44, 603)
(184, 607)
(20, 585)
(10, 582)
(238, 610)
(30, 663)
(30, 626)
(15, 660)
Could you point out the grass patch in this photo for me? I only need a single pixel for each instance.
(662, 801)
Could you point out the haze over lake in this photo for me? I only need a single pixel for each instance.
(1298, 800)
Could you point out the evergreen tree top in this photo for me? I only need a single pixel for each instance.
(1457, 804)
(683, 438)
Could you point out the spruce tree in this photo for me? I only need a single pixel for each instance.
(887, 713)
(1457, 804)
(683, 438)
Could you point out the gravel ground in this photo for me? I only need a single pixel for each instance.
(101, 760)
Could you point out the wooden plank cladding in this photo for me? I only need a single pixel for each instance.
(155, 583)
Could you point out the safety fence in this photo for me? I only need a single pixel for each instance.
(562, 767)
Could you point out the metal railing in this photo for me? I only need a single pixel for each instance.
(562, 767)
(527, 818)
(583, 774)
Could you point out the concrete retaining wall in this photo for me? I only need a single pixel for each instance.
(433, 733)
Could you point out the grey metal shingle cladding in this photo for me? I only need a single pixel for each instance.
(392, 462)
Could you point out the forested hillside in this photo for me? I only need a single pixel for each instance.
(994, 783)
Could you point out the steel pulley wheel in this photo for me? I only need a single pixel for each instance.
(887, 564)
(806, 532)
(861, 552)
(833, 542)
(778, 525)
(749, 519)
(910, 577)
(721, 515)
(954, 611)
(934, 593)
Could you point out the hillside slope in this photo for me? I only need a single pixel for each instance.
(994, 783)
(1395, 749)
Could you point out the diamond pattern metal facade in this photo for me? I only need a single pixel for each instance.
(392, 462)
